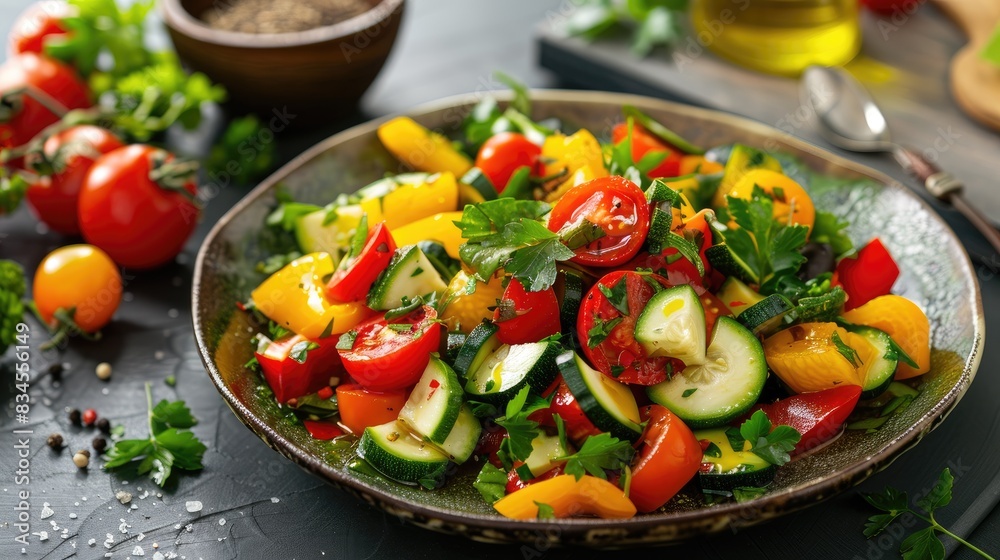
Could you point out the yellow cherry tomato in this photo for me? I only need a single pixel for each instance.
(905, 323)
(807, 357)
(790, 199)
(77, 282)
(295, 298)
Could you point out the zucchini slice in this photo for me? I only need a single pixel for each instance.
(880, 369)
(821, 309)
(433, 406)
(452, 346)
(729, 468)
(461, 442)
(729, 263)
(608, 404)
(438, 256)
(724, 387)
(673, 324)
(510, 368)
(738, 296)
(409, 274)
(546, 452)
(391, 450)
(478, 180)
(768, 315)
(480, 345)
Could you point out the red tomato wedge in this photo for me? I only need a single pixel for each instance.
(618, 354)
(817, 416)
(356, 274)
(524, 316)
(35, 24)
(391, 354)
(669, 457)
(615, 205)
(868, 275)
(644, 143)
(503, 154)
(361, 408)
(295, 366)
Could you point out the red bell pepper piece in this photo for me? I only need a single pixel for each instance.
(817, 416)
(578, 426)
(868, 275)
(295, 366)
(356, 274)
(323, 429)
(514, 482)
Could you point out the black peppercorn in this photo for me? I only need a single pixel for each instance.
(56, 371)
(75, 417)
(55, 441)
(103, 425)
(99, 444)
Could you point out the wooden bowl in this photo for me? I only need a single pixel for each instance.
(318, 73)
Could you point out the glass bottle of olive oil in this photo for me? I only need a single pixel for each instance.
(779, 36)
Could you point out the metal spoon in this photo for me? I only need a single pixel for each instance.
(849, 118)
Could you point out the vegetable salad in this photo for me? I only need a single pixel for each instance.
(591, 324)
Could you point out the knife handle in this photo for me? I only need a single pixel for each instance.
(941, 184)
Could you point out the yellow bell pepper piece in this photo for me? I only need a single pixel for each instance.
(568, 497)
(409, 203)
(464, 310)
(698, 164)
(294, 297)
(791, 201)
(439, 227)
(573, 152)
(421, 148)
(807, 359)
(905, 322)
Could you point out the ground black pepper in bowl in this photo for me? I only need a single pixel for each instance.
(281, 16)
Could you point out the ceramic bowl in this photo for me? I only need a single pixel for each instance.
(936, 274)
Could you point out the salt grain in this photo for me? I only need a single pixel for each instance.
(46, 511)
(193, 506)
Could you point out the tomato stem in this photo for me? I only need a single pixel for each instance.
(174, 175)
(10, 102)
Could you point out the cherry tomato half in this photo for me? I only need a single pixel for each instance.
(40, 20)
(62, 166)
(817, 416)
(503, 154)
(619, 355)
(141, 221)
(644, 143)
(669, 457)
(524, 316)
(389, 355)
(78, 278)
(614, 204)
(355, 276)
(28, 76)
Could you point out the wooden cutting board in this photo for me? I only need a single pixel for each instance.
(975, 83)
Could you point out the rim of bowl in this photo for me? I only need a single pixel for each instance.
(786, 501)
(176, 17)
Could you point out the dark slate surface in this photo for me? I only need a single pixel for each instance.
(258, 505)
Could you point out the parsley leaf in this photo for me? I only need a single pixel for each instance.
(617, 295)
(300, 351)
(241, 147)
(769, 248)
(769, 444)
(545, 511)
(491, 483)
(505, 233)
(829, 229)
(521, 431)
(601, 330)
(170, 443)
(923, 544)
(599, 452)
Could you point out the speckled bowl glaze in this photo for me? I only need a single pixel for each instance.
(936, 273)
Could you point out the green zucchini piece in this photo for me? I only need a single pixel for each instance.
(480, 345)
(409, 274)
(569, 289)
(673, 325)
(608, 404)
(768, 315)
(391, 450)
(478, 180)
(821, 309)
(512, 367)
(738, 296)
(729, 263)
(724, 387)
(434, 404)
(728, 468)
